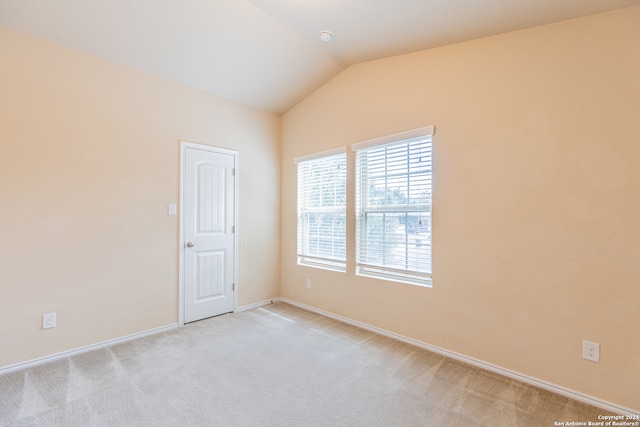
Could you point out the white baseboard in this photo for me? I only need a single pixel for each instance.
(257, 304)
(476, 362)
(80, 350)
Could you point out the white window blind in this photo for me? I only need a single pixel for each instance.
(393, 207)
(322, 229)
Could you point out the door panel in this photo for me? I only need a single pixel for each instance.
(209, 275)
(210, 200)
(208, 231)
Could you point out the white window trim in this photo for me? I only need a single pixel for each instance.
(396, 137)
(387, 273)
(315, 261)
(319, 155)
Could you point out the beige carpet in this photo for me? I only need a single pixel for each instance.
(276, 365)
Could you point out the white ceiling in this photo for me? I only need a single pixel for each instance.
(267, 53)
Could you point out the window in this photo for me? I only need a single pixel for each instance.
(322, 228)
(393, 207)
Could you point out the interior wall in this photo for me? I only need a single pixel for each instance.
(89, 160)
(536, 238)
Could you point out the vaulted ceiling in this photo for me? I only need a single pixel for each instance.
(268, 53)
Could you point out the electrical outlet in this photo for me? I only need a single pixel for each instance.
(48, 320)
(591, 351)
(308, 283)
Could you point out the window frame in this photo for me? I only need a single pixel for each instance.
(302, 231)
(403, 275)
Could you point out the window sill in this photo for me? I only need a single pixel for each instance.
(409, 279)
(332, 266)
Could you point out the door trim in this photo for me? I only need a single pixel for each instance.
(181, 244)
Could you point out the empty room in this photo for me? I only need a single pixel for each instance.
(305, 213)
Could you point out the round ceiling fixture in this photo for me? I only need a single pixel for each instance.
(326, 35)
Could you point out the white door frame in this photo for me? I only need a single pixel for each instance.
(181, 244)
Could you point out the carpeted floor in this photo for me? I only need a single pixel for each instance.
(277, 365)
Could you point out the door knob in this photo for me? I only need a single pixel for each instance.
(190, 244)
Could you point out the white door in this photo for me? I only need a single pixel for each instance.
(208, 215)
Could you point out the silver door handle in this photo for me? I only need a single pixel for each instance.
(190, 244)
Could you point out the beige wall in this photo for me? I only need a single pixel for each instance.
(536, 238)
(89, 160)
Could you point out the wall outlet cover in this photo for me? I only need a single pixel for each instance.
(591, 351)
(48, 320)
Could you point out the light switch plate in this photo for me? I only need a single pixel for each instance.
(172, 208)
